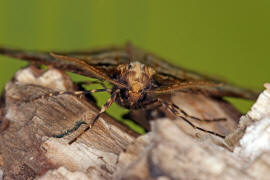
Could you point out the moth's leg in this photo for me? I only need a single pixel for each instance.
(205, 120)
(152, 106)
(76, 93)
(199, 119)
(190, 116)
(102, 110)
(179, 112)
(160, 101)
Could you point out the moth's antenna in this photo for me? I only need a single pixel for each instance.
(130, 51)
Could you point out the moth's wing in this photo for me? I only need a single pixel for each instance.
(173, 78)
(77, 65)
(101, 57)
(166, 84)
(97, 73)
(106, 60)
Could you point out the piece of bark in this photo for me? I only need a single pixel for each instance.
(170, 153)
(259, 111)
(27, 146)
(255, 126)
(108, 150)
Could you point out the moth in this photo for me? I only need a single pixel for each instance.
(138, 78)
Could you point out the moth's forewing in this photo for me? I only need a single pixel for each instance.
(79, 66)
(44, 58)
(207, 87)
(89, 68)
(168, 84)
(106, 60)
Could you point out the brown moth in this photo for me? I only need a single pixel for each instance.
(138, 78)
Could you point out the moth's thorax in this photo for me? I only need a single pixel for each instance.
(137, 77)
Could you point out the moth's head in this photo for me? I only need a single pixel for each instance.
(137, 77)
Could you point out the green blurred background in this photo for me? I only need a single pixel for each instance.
(228, 39)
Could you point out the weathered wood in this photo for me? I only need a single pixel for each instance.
(172, 150)
(170, 153)
(27, 146)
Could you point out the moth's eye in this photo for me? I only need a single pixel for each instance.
(129, 66)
